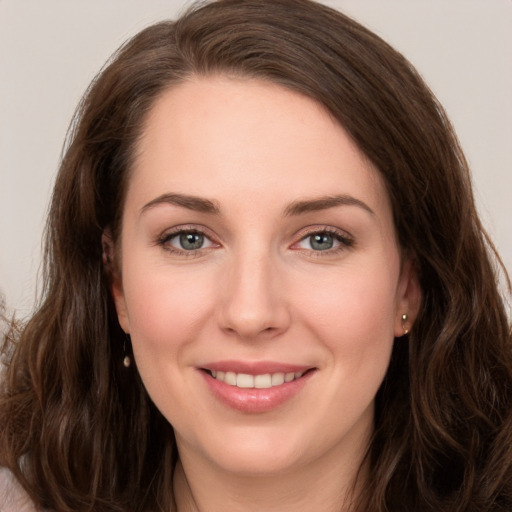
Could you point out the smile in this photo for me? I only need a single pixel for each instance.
(255, 387)
(263, 381)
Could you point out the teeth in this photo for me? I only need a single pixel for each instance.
(229, 378)
(277, 379)
(244, 381)
(264, 381)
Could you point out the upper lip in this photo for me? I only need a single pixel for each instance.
(255, 367)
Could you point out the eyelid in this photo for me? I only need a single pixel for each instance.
(345, 239)
(168, 234)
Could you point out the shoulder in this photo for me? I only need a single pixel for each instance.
(12, 496)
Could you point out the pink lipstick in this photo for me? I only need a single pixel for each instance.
(255, 387)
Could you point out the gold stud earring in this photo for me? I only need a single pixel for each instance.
(404, 320)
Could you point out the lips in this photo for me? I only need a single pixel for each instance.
(255, 387)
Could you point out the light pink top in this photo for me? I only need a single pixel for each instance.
(12, 497)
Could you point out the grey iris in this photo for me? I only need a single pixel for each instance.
(321, 241)
(191, 241)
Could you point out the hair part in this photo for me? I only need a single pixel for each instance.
(79, 430)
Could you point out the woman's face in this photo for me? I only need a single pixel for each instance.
(261, 280)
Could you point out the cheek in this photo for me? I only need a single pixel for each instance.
(352, 316)
(353, 304)
(166, 309)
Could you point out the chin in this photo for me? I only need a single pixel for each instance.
(259, 462)
(262, 450)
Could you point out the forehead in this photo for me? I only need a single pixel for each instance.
(224, 137)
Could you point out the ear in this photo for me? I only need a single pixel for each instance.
(110, 264)
(408, 298)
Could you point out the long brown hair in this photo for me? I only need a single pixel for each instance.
(78, 429)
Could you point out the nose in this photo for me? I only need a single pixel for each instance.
(253, 301)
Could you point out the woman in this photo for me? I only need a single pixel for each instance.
(267, 286)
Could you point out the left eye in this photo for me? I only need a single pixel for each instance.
(189, 241)
(322, 241)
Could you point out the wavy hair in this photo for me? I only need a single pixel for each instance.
(78, 429)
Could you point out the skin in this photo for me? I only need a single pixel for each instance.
(258, 290)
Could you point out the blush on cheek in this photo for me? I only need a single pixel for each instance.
(165, 309)
(355, 307)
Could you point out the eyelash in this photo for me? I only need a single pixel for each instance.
(165, 239)
(345, 241)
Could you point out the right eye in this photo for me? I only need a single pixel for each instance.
(185, 240)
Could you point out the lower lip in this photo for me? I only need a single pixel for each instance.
(255, 400)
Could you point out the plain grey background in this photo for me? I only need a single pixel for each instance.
(51, 49)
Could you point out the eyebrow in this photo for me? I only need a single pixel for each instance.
(203, 205)
(197, 204)
(324, 203)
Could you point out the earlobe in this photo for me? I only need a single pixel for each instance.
(114, 278)
(409, 299)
